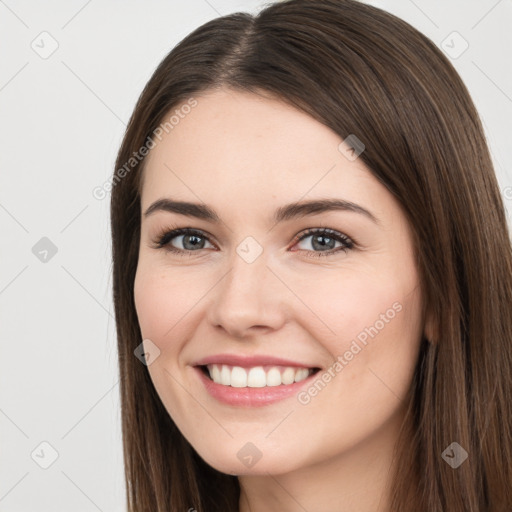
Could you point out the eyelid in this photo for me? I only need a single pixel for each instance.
(174, 232)
(171, 232)
(321, 230)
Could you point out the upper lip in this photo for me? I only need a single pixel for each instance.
(249, 361)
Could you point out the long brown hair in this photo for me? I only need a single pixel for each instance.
(357, 70)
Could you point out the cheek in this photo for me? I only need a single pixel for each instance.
(369, 316)
(345, 303)
(161, 301)
(377, 323)
(380, 330)
(151, 303)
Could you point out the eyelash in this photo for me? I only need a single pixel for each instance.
(163, 239)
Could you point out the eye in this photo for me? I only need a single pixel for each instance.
(190, 239)
(323, 242)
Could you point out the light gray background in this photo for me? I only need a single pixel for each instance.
(61, 122)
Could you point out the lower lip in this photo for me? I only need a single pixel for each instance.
(251, 397)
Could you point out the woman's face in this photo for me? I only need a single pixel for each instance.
(259, 279)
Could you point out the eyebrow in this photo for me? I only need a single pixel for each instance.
(283, 213)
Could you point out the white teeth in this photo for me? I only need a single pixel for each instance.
(238, 377)
(288, 376)
(274, 377)
(215, 374)
(225, 376)
(302, 373)
(256, 377)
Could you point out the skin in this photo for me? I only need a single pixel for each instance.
(245, 155)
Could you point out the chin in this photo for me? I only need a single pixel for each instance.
(240, 463)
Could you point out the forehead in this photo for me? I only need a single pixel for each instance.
(245, 148)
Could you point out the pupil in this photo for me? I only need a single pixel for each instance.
(323, 245)
(192, 245)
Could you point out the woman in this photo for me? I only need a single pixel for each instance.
(311, 258)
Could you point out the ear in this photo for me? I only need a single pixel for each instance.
(430, 330)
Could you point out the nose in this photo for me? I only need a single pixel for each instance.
(249, 299)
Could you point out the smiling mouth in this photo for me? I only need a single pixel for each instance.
(257, 376)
